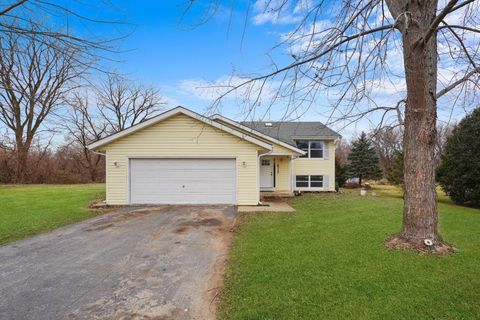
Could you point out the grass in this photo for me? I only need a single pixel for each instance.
(328, 261)
(26, 210)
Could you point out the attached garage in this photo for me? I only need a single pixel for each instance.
(180, 157)
(182, 181)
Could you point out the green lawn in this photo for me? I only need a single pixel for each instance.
(26, 210)
(327, 261)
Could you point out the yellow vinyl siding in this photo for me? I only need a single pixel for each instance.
(313, 166)
(282, 174)
(278, 149)
(181, 136)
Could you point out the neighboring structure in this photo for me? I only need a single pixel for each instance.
(181, 157)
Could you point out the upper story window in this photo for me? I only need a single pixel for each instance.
(313, 148)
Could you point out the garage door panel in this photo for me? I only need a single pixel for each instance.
(175, 181)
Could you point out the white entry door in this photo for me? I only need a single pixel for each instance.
(266, 173)
(182, 181)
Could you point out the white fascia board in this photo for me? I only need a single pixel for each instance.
(169, 114)
(257, 133)
(316, 137)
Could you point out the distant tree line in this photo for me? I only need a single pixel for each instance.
(50, 110)
(56, 92)
(378, 155)
(50, 143)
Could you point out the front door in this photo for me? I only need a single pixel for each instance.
(266, 173)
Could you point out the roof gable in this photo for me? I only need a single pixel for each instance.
(170, 113)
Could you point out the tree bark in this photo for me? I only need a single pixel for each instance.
(420, 216)
(21, 168)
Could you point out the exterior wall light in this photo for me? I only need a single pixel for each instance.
(244, 164)
(115, 163)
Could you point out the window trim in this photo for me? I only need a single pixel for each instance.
(309, 187)
(307, 155)
(302, 175)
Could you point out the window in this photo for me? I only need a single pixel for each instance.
(316, 149)
(302, 181)
(313, 148)
(309, 181)
(303, 145)
(265, 162)
(316, 181)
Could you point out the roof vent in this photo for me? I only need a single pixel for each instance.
(268, 124)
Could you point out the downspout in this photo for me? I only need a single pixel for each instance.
(292, 189)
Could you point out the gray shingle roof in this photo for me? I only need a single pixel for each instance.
(290, 131)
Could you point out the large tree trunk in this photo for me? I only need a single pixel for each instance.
(21, 168)
(22, 148)
(420, 216)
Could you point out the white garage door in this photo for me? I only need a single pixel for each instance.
(182, 181)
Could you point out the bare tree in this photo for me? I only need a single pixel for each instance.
(342, 149)
(118, 103)
(444, 130)
(354, 51)
(83, 126)
(35, 76)
(122, 103)
(387, 142)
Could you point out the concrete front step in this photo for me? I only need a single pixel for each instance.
(276, 194)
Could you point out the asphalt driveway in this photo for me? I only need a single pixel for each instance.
(150, 263)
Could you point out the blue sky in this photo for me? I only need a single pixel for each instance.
(173, 52)
(169, 50)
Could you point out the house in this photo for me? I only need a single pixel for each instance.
(181, 157)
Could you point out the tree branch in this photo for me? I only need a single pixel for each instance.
(461, 5)
(13, 6)
(458, 82)
(450, 26)
(311, 59)
(438, 19)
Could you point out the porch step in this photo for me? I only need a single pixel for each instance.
(276, 194)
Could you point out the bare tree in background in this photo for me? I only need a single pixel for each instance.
(114, 105)
(122, 103)
(342, 149)
(345, 48)
(45, 46)
(387, 141)
(444, 131)
(35, 76)
(83, 126)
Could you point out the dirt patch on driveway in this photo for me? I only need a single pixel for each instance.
(208, 222)
(152, 263)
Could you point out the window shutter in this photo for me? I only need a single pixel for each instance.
(325, 183)
(326, 151)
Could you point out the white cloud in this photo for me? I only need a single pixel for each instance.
(212, 90)
(306, 38)
(279, 11)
